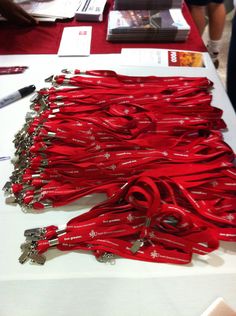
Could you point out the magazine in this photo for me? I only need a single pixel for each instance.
(147, 25)
(147, 5)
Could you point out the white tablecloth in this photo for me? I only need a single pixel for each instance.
(75, 283)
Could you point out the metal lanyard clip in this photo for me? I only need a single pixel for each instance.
(30, 252)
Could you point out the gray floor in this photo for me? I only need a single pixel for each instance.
(224, 48)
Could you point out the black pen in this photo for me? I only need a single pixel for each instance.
(19, 94)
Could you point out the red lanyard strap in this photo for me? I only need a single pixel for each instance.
(75, 174)
(138, 79)
(113, 228)
(160, 135)
(12, 70)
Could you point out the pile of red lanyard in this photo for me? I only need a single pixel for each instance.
(155, 141)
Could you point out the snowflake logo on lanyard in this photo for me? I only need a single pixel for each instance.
(130, 218)
(152, 235)
(230, 217)
(92, 234)
(107, 155)
(154, 254)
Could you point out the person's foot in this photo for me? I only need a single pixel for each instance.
(214, 57)
(216, 63)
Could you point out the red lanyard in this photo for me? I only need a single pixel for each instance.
(57, 138)
(158, 135)
(134, 224)
(12, 70)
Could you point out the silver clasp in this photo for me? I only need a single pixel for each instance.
(137, 245)
(107, 257)
(30, 252)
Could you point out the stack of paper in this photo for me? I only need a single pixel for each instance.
(147, 26)
(50, 10)
(147, 5)
(90, 10)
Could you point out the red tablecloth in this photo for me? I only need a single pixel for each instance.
(45, 39)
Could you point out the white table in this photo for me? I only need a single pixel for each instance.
(75, 283)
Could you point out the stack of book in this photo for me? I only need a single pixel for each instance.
(147, 5)
(147, 26)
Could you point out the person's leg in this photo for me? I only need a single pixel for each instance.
(231, 66)
(216, 14)
(198, 14)
(197, 9)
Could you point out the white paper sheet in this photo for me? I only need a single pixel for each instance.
(75, 41)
